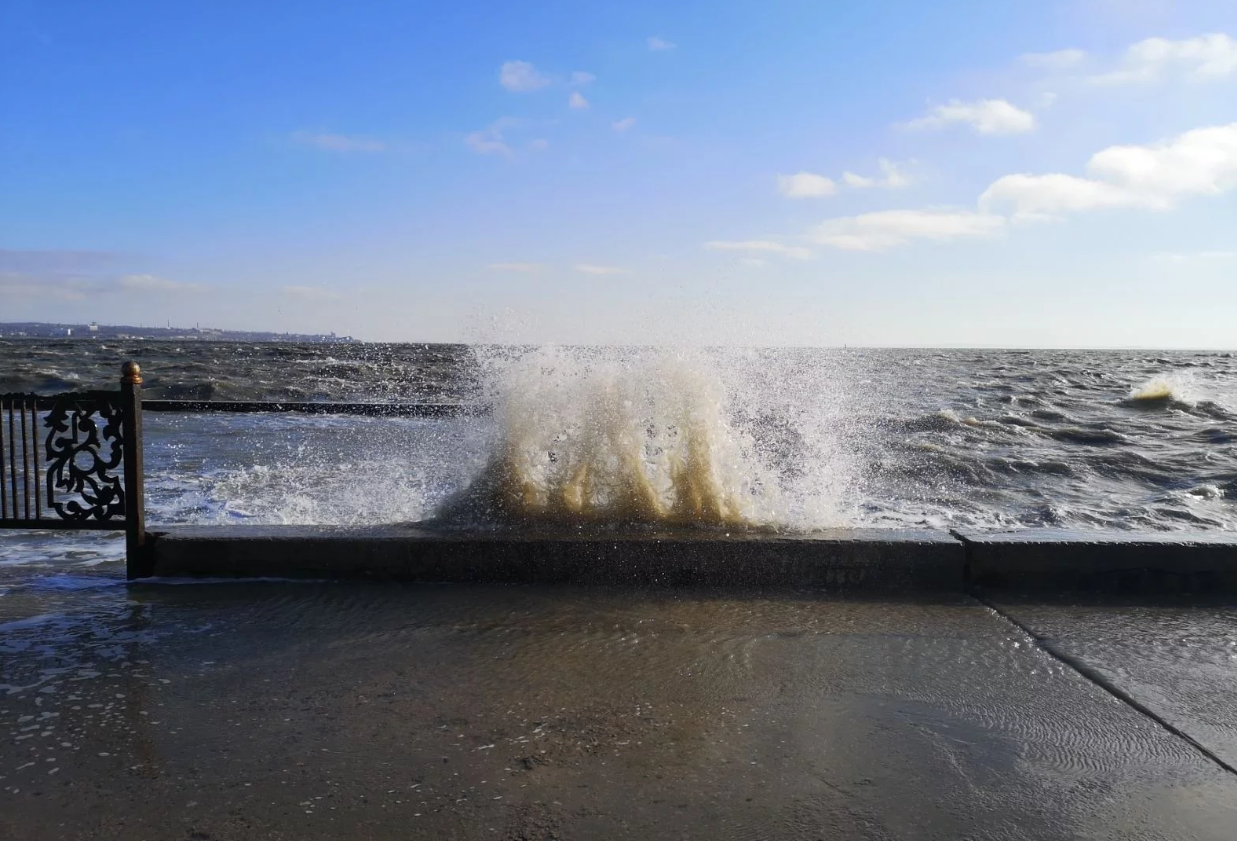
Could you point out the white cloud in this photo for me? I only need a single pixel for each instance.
(857, 182)
(539, 145)
(656, 44)
(1055, 61)
(589, 268)
(1154, 177)
(755, 262)
(527, 268)
(521, 77)
(491, 140)
(150, 283)
(985, 116)
(577, 100)
(891, 228)
(1030, 197)
(759, 246)
(623, 124)
(810, 185)
(582, 78)
(1199, 59)
(806, 185)
(488, 142)
(338, 142)
(310, 293)
(892, 177)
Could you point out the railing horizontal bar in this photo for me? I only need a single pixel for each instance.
(412, 410)
(63, 525)
(47, 402)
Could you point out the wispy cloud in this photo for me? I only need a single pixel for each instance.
(589, 268)
(892, 228)
(1154, 177)
(806, 185)
(69, 275)
(581, 78)
(623, 124)
(1054, 61)
(985, 116)
(76, 275)
(488, 142)
(760, 246)
(1198, 59)
(310, 293)
(338, 142)
(151, 283)
(491, 140)
(526, 268)
(577, 101)
(521, 77)
(657, 44)
(56, 260)
(893, 177)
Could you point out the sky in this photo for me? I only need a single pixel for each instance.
(1058, 173)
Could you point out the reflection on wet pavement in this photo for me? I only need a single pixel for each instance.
(309, 710)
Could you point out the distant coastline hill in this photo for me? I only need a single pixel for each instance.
(42, 330)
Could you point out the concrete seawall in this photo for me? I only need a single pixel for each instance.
(1165, 562)
(870, 559)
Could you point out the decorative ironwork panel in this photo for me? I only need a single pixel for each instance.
(85, 457)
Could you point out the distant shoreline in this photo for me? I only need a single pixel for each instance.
(44, 330)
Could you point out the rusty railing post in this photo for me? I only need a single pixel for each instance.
(137, 563)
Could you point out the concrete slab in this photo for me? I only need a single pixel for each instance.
(425, 711)
(1169, 562)
(1180, 661)
(850, 558)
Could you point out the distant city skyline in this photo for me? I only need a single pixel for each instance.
(963, 173)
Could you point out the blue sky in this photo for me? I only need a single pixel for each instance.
(884, 173)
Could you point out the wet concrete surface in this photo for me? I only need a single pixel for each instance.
(1177, 660)
(302, 711)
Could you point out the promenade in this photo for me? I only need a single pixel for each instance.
(395, 711)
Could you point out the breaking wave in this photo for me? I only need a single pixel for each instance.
(621, 438)
(1164, 390)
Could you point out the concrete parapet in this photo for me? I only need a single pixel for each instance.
(1169, 562)
(843, 558)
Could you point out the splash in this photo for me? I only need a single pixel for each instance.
(589, 437)
(1173, 388)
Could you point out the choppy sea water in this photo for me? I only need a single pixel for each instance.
(785, 439)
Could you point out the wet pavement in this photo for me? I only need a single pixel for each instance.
(302, 711)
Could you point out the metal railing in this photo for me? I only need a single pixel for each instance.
(88, 472)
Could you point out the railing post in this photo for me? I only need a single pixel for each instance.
(137, 562)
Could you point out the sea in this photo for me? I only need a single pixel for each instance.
(786, 439)
(783, 440)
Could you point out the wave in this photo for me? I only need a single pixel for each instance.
(608, 438)
(1165, 390)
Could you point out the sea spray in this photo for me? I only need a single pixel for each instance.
(1166, 389)
(643, 437)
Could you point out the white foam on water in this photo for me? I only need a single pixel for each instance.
(1177, 387)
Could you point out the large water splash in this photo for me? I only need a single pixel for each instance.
(650, 437)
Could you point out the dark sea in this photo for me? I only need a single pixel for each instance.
(773, 439)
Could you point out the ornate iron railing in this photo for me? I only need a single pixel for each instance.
(87, 473)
